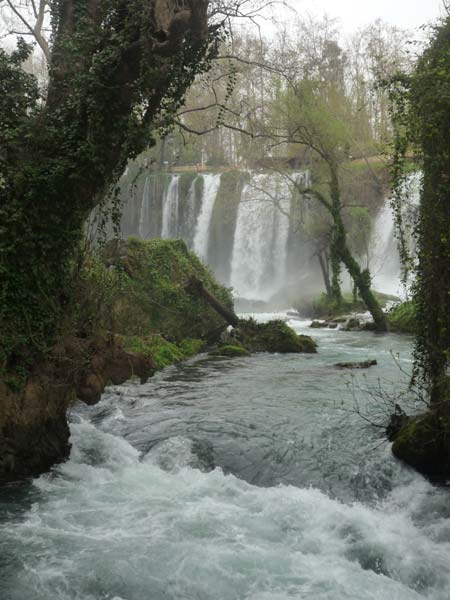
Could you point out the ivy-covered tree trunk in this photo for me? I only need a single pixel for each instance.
(361, 278)
(118, 72)
(430, 91)
(335, 260)
(325, 269)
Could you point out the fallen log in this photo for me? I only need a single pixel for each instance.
(357, 365)
(195, 286)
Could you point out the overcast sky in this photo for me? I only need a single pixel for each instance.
(406, 14)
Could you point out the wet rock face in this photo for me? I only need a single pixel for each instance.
(34, 433)
(423, 442)
(230, 351)
(274, 336)
(30, 449)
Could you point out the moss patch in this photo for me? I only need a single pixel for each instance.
(230, 351)
(424, 443)
(162, 352)
(403, 318)
(154, 297)
(274, 336)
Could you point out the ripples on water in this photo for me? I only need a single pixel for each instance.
(249, 478)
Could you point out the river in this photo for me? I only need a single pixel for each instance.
(235, 479)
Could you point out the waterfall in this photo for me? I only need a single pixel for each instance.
(170, 210)
(258, 267)
(188, 215)
(201, 237)
(386, 264)
(144, 215)
(243, 234)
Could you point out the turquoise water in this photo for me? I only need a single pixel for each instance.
(252, 478)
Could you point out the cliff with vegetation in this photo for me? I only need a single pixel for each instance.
(129, 315)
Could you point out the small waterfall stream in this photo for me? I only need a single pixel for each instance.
(201, 238)
(144, 217)
(170, 211)
(386, 264)
(258, 267)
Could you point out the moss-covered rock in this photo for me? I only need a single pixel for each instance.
(323, 307)
(424, 444)
(402, 318)
(162, 352)
(274, 336)
(352, 324)
(154, 298)
(230, 351)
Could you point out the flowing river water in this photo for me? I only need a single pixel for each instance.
(231, 479)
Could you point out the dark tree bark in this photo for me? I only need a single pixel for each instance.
(117, 69)
(325, 269)
(340, 251)
(195, 286)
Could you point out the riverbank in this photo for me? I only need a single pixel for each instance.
(133, 311)
(250, 477)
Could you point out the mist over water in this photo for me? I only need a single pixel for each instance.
(257, 254)
(259, 260)
(219, 479)
(256, 248)
(252, 478)
(385, 257)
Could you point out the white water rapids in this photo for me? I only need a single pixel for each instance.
(303, 502)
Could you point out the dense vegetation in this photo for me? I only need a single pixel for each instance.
(118, 72)
(422, 118)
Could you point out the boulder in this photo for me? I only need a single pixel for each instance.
(274, 336)
(352, 324)
(230, 351)
(423, 442)
(366, 364)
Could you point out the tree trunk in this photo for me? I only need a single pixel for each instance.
(324, 267)
(109, 75)
(360, 278)
(362, 282)
(195, 286)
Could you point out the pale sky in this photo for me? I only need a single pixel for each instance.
(352, 14)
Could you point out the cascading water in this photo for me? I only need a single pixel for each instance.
(188, 223)
(304, 502)
(201, 238)
(258, 268)
(144, 217)
(170, 210)
(245, 237)
(386, 266)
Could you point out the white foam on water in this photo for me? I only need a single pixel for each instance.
(109, 525)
